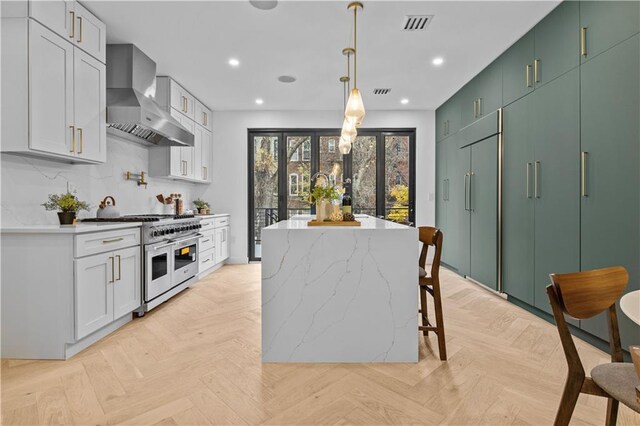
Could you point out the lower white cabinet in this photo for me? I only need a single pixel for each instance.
(214, 243)
(222, 244)
(107, 286)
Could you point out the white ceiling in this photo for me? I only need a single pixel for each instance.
(193, 41)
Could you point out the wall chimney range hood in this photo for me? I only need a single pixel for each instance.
(132, 111)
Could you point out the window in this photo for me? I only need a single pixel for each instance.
(398, 148)
(332, 145)
(293, 150)
(293, 184)
(306, 151)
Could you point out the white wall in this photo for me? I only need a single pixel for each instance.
(26, 182)
(228, 193)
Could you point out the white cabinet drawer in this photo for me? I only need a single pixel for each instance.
(221, 221)
(206, 242)
(207, 225)
(207, 260)
(100, 242)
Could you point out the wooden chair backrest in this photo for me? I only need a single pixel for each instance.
(585, 294)
(430, 236)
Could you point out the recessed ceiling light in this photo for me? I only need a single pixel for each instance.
(404, 101)
(264, 4)
(259, 101)
(234, 62)
(286, 79)
(438, 61)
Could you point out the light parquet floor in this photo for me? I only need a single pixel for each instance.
(196, 360)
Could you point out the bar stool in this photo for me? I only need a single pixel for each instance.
(430, 284)
(583, 295)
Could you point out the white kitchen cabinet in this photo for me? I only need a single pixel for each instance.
(214, 243)
(53, 94)
(107, 286)
(203, 116)
(202, 154)
(57, 15)
(170, 94)
(93, 293)
(90, 33)
(127, 284)
(222, 244)
(90, 107)
(51, 66)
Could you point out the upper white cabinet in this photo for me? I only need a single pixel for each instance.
(185, 163)
(90, 33)
(57, 15)
(53, 93)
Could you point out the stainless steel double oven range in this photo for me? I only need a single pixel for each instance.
(170, 255)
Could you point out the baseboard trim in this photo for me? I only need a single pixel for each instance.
(75, 348)
(237, 261)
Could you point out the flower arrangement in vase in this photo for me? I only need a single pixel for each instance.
(67, 204)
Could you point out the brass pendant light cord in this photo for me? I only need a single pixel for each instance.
(355, 47)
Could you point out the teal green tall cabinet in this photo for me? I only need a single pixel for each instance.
(610, 196)
(442, 206)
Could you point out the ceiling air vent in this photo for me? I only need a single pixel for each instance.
(381, 91)
(416, 22)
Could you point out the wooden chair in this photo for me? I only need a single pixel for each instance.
(583, 295)
(431, 284)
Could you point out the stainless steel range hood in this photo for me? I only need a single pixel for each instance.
(132, 111)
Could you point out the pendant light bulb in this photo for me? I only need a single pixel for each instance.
(349, 132)
(355, 108)
(344, 146)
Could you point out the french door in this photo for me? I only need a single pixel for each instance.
(379, 172)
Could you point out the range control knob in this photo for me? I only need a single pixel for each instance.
(172, 230)
(155, 234)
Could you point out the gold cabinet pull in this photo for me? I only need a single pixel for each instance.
(73, 139)
(479, 107)
(475, 108)
(583, 174)
(528, 179)
(535, 179)
(119, 267)
(527, 71)
(113, 267)
(80, 32)
(536, 70)
(81, 139)
(114, 240)
(73, 25)
(583, 41)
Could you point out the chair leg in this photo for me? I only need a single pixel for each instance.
(437, 301)
(568, 402)
(423, 310)
(612, 412)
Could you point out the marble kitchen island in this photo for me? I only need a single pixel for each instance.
(339, 294)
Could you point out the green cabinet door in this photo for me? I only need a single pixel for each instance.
(555, 133)
(517, 201)
(455, 208)
(441, 123)
(557, 43)
(441, 192)
(483, 204)
(607, 23)
(488, 89)
(517, 69)
(462, 209)
(467, 97)
(610, 107)
(453, 115)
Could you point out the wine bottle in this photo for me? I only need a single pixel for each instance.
(346, 202)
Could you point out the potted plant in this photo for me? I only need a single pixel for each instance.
(323, 196)
(202, 206)
(68, 206)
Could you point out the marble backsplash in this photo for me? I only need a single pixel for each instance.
(26, 182)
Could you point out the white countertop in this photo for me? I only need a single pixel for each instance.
(81, 228)
(368, 223)
(207, 216)
(630, 305)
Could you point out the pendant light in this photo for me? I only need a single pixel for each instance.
(354, 110)
(349, 132)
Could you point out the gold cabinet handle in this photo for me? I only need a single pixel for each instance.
(528, 179)
(535, 179)
(73, 25)
(81, 139)
(536, 70)
(583, 41)
(113, 267)
(479, 107)
(119, 267)
(527, 71)
(475, 108)
(466, 175)
(80, 33)
(73, 139)
(114, 240)
(583, 174)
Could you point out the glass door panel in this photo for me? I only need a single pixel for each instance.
(363, 155)
(298, 175)
(331, 161)
(397, 181)
(265, 187)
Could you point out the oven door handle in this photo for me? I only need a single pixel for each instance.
(192, 237)
(162, 246)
